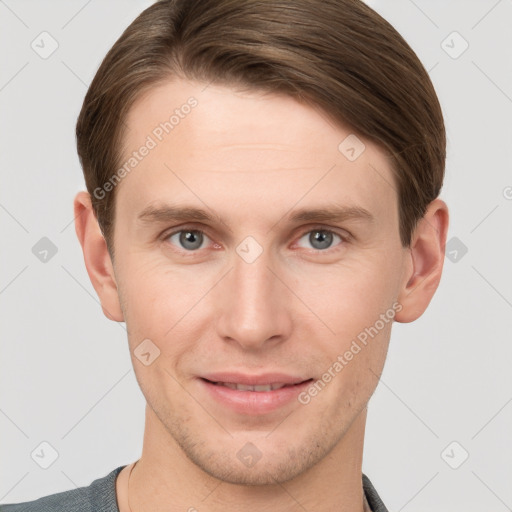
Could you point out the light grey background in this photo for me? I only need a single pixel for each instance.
(66, 375)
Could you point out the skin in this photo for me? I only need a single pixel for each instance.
(254, 158)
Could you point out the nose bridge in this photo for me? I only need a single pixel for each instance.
(252, 280)
(253, 307)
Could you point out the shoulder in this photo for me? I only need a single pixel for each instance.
(371, 494)
(99, 496)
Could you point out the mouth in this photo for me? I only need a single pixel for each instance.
(258, 387)
(253, 399)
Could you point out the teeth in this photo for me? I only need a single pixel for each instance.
(244, 387)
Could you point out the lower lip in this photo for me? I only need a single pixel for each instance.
(254, 402)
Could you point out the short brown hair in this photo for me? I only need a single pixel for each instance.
(338, 55)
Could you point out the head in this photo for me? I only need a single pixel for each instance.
(311, 137)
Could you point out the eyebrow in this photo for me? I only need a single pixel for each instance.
(167, 213)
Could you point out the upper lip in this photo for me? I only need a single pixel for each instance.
(253, 380)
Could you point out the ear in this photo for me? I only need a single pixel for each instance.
(96, 256)
(425, 265)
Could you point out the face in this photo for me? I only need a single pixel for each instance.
(257, 285)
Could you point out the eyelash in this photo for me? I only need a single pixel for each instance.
(345, 238)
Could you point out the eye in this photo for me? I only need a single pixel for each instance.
(191, 240)
(320, 238)
(188, 239)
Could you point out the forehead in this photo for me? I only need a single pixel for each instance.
(245, 148)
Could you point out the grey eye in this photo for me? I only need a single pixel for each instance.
(320, 239)
(189, 239)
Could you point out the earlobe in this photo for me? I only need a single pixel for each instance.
(96, 256)
(425, 264)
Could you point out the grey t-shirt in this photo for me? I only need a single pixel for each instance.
(100, 496)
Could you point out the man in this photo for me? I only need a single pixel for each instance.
(262, 205)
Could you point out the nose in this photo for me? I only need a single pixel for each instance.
(254, 305)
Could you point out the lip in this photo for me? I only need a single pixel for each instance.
(253, 403)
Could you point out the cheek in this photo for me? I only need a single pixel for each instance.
(154, 299)
(356, 302)
(351, 297)
(353, 358)
(172, 308)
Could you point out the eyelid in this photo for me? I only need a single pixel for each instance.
(186, 227)
(342, 233)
